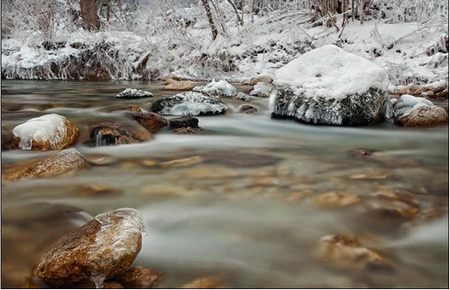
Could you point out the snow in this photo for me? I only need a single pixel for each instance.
(51, 128)
(331, 72)
(261, 89)
(194, 108)
(217, 88)
(134, 93)
(190, 103)
(407, 103)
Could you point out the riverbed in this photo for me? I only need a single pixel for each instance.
(240, 202)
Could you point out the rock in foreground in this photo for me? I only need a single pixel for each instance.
(65, 161)
(139, 277)
(134, 94)
(183, 122)
(48, 132)
(153, 122)
(218, 89)
(329, 86)
(101, 249)
(410, 111)
(189, 103)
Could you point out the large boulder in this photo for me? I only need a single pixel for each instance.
(133, 94)
(111, 133)
(101, 249)
(48, 132)
(189, 103)
(262, 90)
(153, 122)
(218, 88)
(410, 111)
(331, 87)
(63, 162)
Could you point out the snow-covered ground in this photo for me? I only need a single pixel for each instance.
(245, 51)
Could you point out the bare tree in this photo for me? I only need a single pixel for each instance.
(240, 21)
(210, 18)
(89, 14)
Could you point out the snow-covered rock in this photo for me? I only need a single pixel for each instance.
(48, 132)
(330, 86)
(262, 90)
(134, 94)
(243, 97)
(220, 89)
(189, 103)
(410, 111)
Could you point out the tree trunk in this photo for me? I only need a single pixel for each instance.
(210, 18)
(353, 10)
(240, 21)
(89, 15)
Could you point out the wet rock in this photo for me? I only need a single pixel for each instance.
(247, 109)
(112, 285)
(7, 138)
(361, 152)
(65, 161)
(189, 103)
(205, 283)
(183, 162)
(187, 130)
(218, 89)
(174, 85)
(153, 122)
(101, 249)
(101, 159)
(394, 205)
(336, 199)
(262, 90)
(183, 122)
(134, 109)
(240, 159)
(108, 133)
(139, 277)
(134, 94)
(345, 252)
(410, 111)
(344, 90)
(243, 97)
(48, 132)
(96, 190)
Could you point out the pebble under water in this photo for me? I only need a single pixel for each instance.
(246, 202)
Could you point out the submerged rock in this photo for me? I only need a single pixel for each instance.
(336, 199)
(153, 122)
(139, 277)
(329, 86)
(7, 138)
(134, 94)
(183, 122)
(48, 132)
(189, 103)
(107, 133)
(103, 248)
(262, 90)
(205, 283)
(247, 109)
(345, 252)
(134, 109)
(65, 161)
(187, 130)
(410, 111)
(219, 89)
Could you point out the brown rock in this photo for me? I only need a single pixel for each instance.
(139, 277)
(423, 116)
(183, 162)
(65, 161)
(345, 252)
(109, 133)
(66, 135)
(7, 138)
(205, 283)
(174, 85)
(134, 109)
(183, 122)
(247, 109)
(101, 159)
(153, 122)
(187, 130)
(112, 285)
(336, 199)
(101, 249)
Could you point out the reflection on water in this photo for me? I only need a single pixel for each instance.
(246, 201)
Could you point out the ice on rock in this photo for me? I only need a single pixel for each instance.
(133, 94)
(220, 88)
(261, 90)
(51, 128)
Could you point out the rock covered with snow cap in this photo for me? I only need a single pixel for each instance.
(330, 86)
(262, 90)
(410, 111)
(189, 103)
(217, 88)
(103, 248)
(48, 132)
(63, 162)
(134, 94)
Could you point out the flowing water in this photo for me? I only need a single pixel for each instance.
(243, 201)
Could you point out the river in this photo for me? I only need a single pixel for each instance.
(241, 201)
